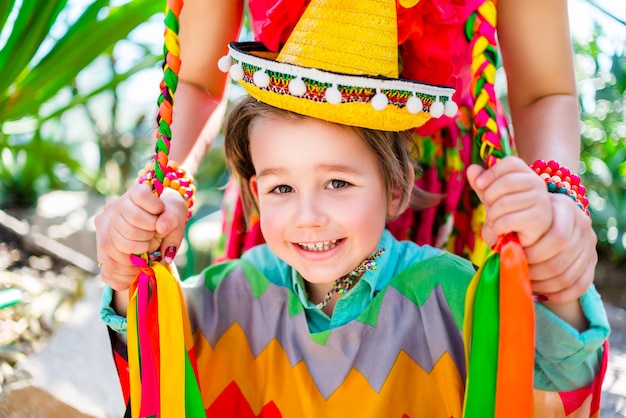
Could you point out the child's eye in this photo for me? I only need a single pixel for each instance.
(337, 184)
(283, 188)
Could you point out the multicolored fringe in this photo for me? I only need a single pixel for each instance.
(499, 324)
(161, 360)
(500, 335)
(162, 367)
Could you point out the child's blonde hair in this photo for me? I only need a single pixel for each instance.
(391, 148)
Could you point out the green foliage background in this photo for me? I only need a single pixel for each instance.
(44, 53)
(603, 133)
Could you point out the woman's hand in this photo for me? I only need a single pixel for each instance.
(556, 235)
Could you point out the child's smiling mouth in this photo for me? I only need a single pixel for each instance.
(319, 246)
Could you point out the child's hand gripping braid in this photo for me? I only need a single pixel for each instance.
(136, 223)
(556, 235)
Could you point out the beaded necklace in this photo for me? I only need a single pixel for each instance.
(344, 283)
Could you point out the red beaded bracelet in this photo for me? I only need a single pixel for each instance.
(560, 180)
(175, 178)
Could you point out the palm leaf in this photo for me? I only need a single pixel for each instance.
(80, 99)
(84, 41)
(31, 27)
(24, 164)
(5, 10)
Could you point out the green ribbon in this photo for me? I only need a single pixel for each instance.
(481, 382)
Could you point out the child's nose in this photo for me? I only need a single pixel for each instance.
(310, 212)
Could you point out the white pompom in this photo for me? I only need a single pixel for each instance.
(379, 101)
(333, 95)
(261, 79)
(236, 72)
(436, 110)
(224, 63)
(297, 87)
(414, 105)
(450, 109)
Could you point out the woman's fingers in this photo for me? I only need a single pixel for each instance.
(515, 200)
(562, 263)
(571, 284)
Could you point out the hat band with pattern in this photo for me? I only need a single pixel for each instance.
(390, 104)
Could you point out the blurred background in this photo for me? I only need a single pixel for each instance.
(78, 88)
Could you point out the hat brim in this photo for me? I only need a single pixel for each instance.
(374, 102)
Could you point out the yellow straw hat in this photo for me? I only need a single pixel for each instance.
(340, 64)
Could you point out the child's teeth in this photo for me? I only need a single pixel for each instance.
(318, 246)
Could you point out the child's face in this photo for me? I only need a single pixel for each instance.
(320, 194)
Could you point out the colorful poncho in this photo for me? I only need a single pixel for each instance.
(401, 357)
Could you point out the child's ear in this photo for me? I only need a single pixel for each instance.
(254, 188)
(397, 205)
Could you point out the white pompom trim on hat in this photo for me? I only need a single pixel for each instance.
(232, 63)
(414, 104)
(261, 79)
(333, 95)
(297, 87)
(379, 101)
(450, 109)
(225, 63)
(436, 109)
(236, 72)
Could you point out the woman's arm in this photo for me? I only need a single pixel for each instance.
(537, 55)
(206, 28)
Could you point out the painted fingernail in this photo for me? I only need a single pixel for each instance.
(170, 253)
(539, 298)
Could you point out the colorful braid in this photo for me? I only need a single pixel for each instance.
(171, 67)
(499, 324)
(480, 30)
(161, 359)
